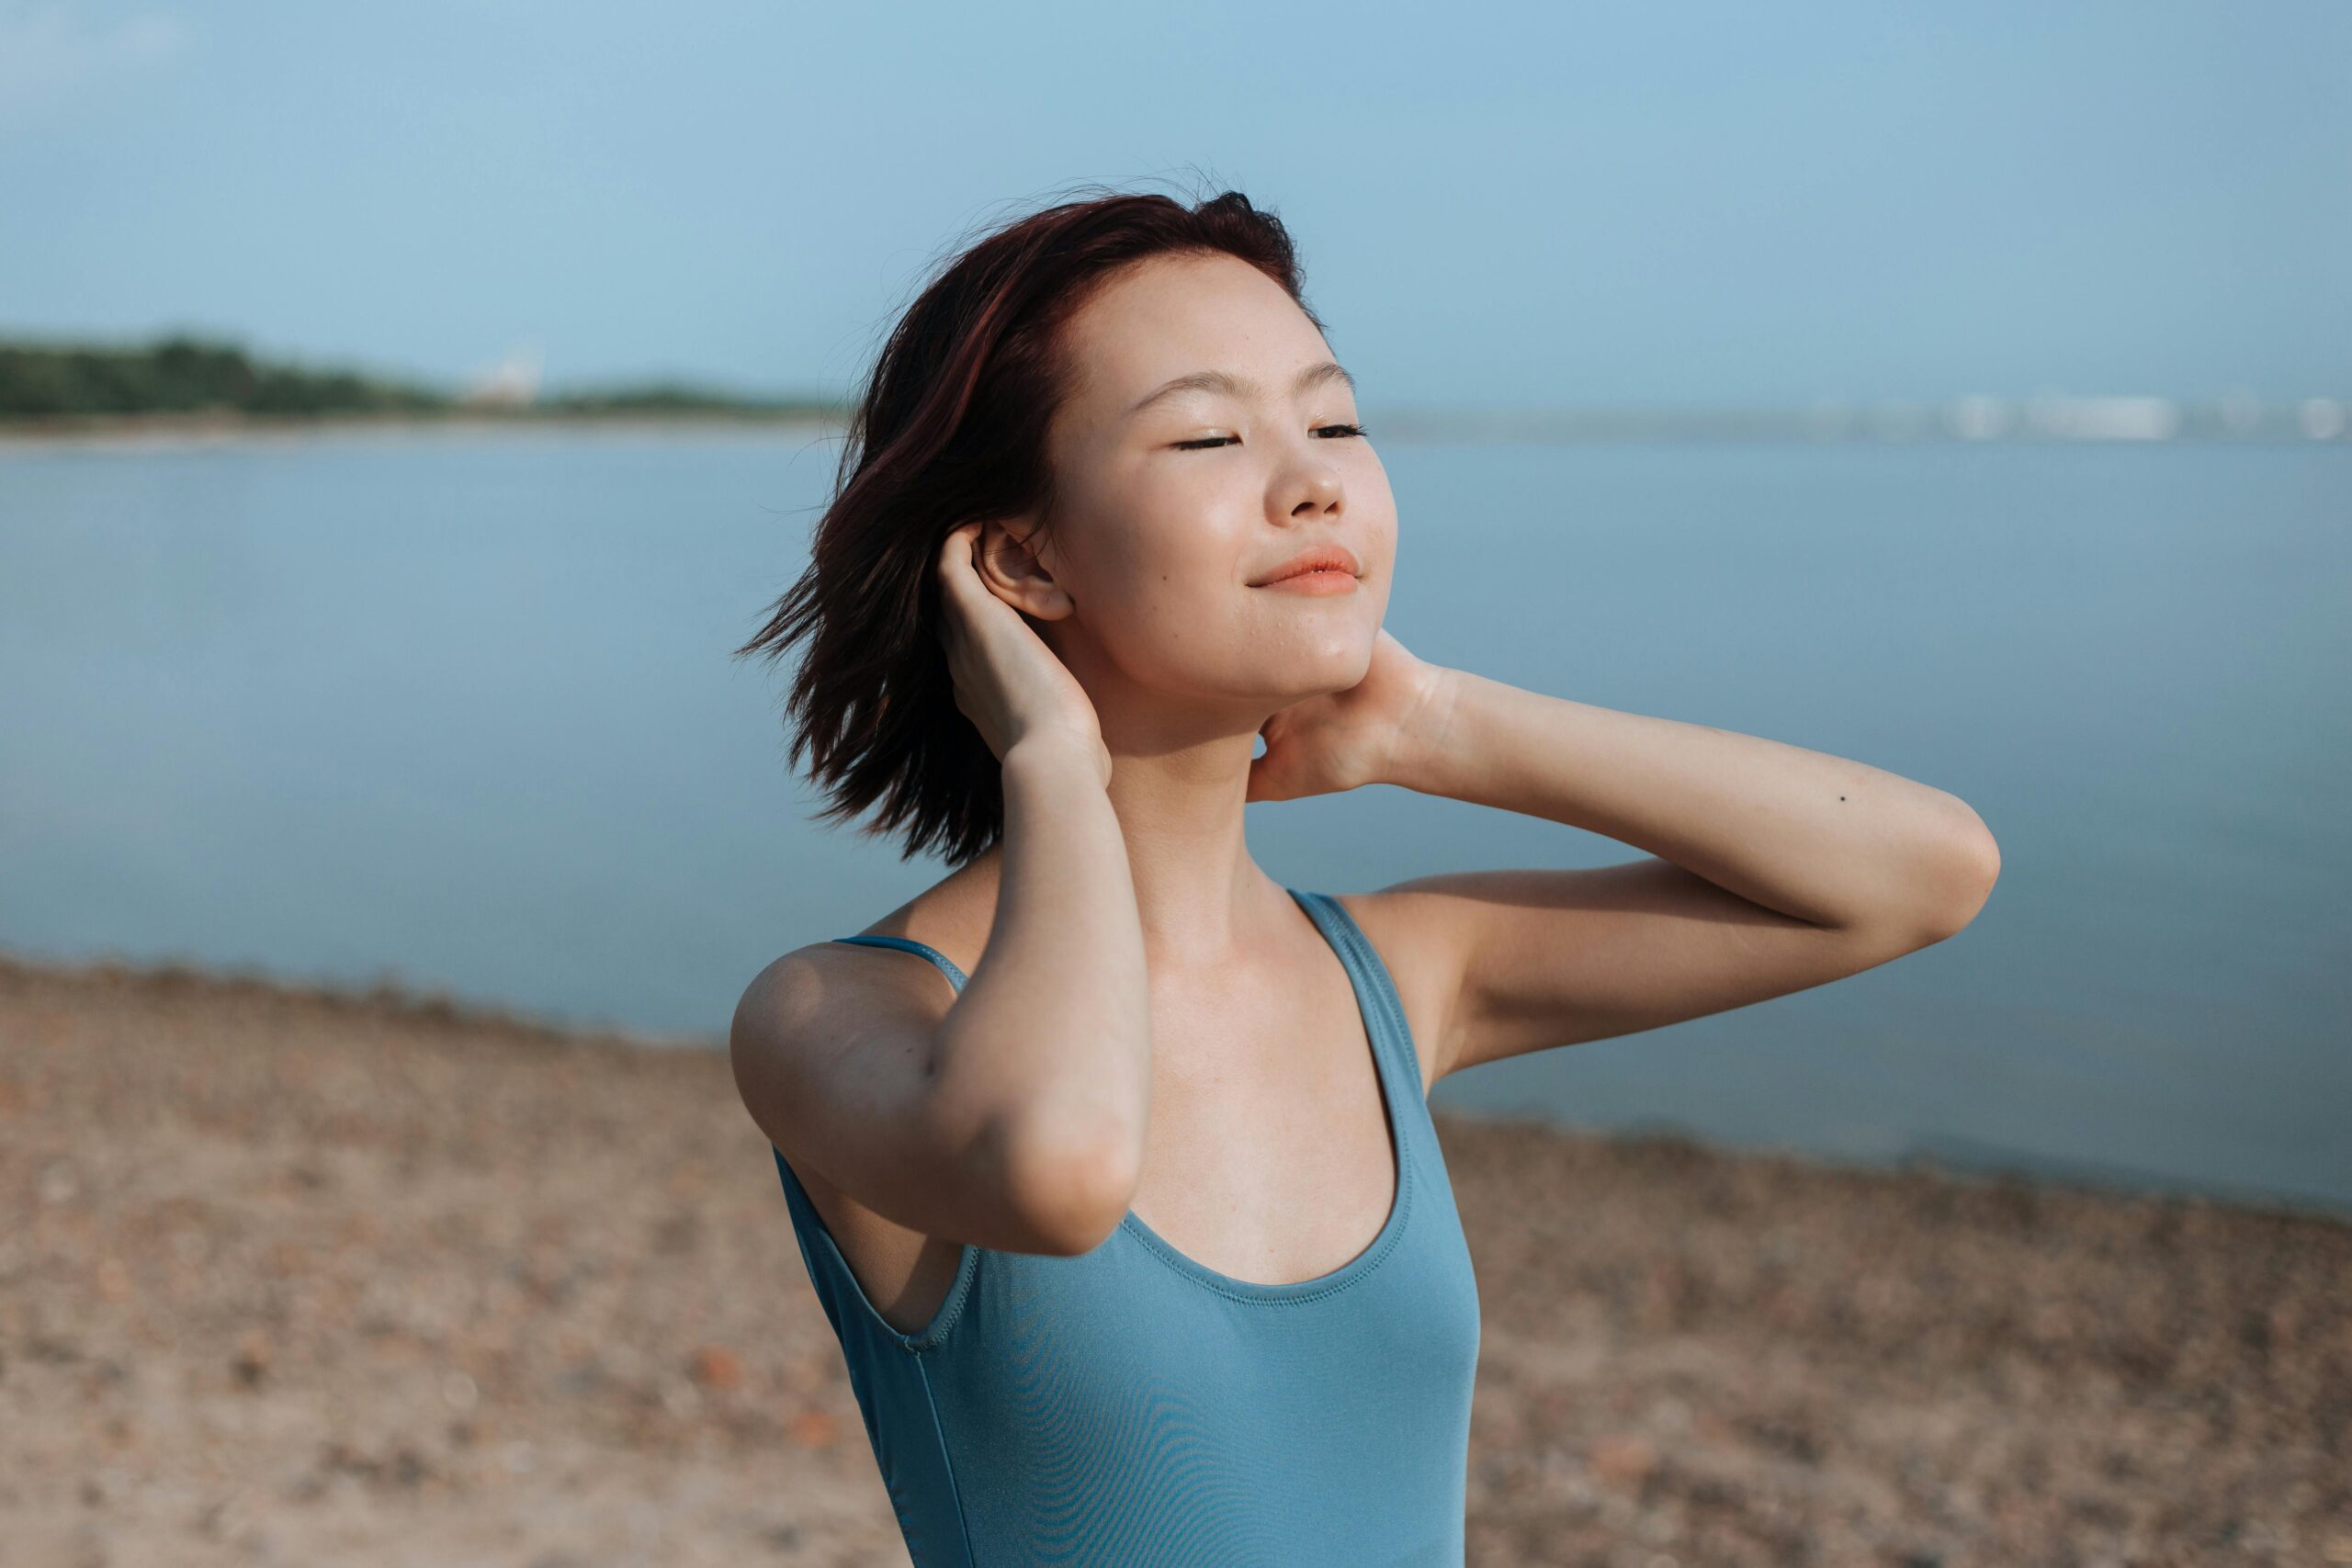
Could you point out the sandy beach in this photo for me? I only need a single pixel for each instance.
(304, 1277)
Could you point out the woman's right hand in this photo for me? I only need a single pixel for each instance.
(1008, 683)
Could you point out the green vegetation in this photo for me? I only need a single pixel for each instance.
(188, 375)
(664, 396)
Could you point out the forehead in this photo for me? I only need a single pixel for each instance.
(1169, 316)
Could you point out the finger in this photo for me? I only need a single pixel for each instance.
(957, 548)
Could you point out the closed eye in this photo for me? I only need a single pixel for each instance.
(1329, 432)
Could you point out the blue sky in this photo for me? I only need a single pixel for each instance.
(1499, 205)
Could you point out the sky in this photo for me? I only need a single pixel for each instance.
(1499, 205)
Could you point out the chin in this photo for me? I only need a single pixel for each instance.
(1343, 664)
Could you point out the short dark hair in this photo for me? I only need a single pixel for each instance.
(950, 425)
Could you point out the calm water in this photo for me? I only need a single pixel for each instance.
(460, 709)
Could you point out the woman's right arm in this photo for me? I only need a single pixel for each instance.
(1043, 1068)
(1014, 1118)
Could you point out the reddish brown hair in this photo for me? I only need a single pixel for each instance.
(950, 425)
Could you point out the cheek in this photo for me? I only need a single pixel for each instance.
(1162, 592)
(1170, 543)
(1166, 588)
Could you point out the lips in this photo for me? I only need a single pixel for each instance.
(1323, 557)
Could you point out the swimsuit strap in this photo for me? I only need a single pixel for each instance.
(909, 944)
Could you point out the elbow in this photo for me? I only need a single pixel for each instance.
(1970, 864)
(1070, 1186)
(1047, 1173)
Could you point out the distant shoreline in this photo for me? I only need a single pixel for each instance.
(182, 389)
(1901, 426)
(233, 429)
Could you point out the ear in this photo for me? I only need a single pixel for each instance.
(1012, 561)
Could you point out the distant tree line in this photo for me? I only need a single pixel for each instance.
(189, 374)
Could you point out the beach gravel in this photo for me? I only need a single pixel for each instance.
(305, 1277)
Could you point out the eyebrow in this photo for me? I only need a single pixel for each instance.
(1234, 386)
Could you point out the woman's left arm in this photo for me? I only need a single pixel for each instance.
(1774, 868)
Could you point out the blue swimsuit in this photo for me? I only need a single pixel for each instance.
(1133, 1408)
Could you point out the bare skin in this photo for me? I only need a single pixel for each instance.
(1136, 973)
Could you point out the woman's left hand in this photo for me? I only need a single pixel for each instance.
(1341, 741)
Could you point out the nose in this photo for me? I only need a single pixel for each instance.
(1320, 490)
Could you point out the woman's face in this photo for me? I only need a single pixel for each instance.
(1176, 504)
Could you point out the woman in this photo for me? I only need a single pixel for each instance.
(1110, 1156)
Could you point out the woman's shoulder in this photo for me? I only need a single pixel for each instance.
(952, 918)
